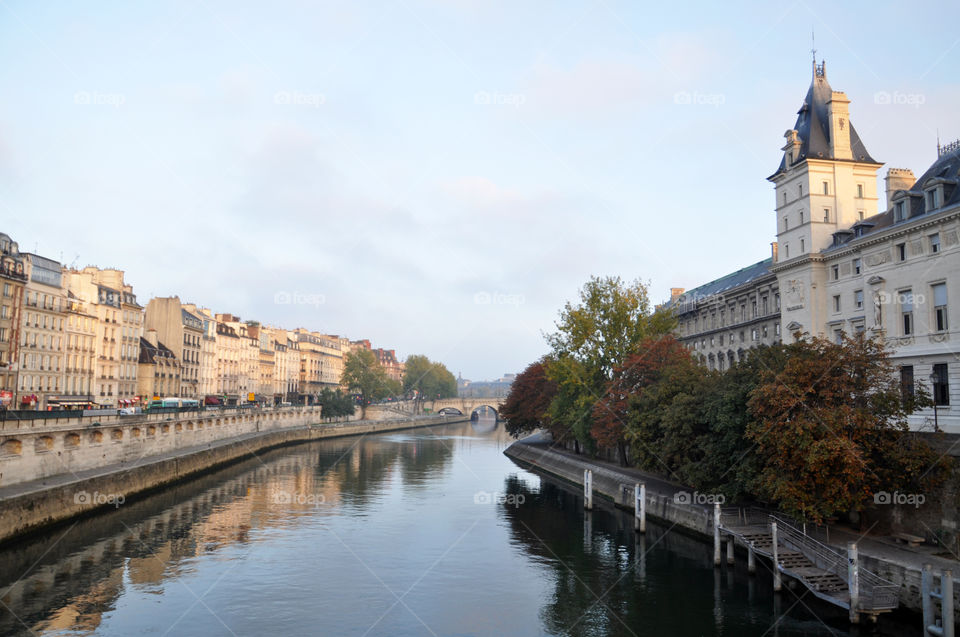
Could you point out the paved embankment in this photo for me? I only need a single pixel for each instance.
(29, 506)
(900, 564)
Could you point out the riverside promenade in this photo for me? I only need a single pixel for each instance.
(31, 505)
(898, 563)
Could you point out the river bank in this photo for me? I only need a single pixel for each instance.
(899, 564)
(34, 505)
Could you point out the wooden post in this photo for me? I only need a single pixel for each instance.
(640, 507)
(853, 580)
(946, 603)
(716, 534)
(751, 560)
(730, 548)
(588, 489)
(926, 597)
(777, 585)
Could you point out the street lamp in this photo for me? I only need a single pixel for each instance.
(933, 386)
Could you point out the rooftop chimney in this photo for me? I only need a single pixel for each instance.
(151, 336)
(898, 179)
(675, 293)
(773, 250)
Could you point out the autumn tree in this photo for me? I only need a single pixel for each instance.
(592, 338)
(526, 407)
(831, 430)
(363, 374)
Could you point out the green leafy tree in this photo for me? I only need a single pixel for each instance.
(592, 338)
(831, 430)
(427, 380)
(336, 404)
(363, 374)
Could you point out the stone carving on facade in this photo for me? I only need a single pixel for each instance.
(941, 337)
(795, 295)
(878, 298)
(878, 258)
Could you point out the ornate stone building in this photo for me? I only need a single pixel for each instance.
(12, 279)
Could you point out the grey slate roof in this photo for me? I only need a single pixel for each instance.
(717, 287)
(813, 125)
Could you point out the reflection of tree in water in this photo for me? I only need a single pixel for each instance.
(658, 584)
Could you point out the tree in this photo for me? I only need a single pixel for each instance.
(363, 374)
(592, 338)
(525, 408)
(336, 404)
(831, 430)
(427, 379)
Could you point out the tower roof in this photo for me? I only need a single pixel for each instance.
(813, 125)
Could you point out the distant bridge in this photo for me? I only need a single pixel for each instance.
(466, 406)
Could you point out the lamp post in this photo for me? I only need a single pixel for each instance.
(933, 386)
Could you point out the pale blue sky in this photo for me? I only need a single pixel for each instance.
(394, 163)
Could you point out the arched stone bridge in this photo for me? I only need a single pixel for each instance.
(466, 406)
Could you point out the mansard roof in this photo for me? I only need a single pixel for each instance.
(716, 288)
(813, 125)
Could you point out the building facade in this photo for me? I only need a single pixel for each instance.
(181, 329)
(158, 373)
(41, 369)
(13, 278)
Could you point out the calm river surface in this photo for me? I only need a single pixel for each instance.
(423, 532)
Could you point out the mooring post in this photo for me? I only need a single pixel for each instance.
(716, 534)
(776, 560)
(751, 559)
(926, 597)
(946, 603)
(853, 578)
(640, 507)
(588, 489)
(730, 548)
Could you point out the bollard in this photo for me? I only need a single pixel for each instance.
(751, 560)
(853, 581)
(730, 548)
(777, 585)
(588, 489)
(716, 534)
(946, 603)
(640, 507)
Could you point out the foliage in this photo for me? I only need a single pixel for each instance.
(592, 337)
(336, 404)
(526, 406)
(363, 374)
(831, 430)
(427, 379)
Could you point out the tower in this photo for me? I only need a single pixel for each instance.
(826, 182)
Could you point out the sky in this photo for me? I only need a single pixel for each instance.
(437, 177)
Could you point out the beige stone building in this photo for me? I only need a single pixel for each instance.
(119, 327)
(41, 366)
(179, 328)
(208, 351)
(158, 373)
(12, 280)
(80, 354)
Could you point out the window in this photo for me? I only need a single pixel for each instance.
(754, 309)
(763, 306)
(941, 384)
(786, 223)
(899, 211)
(776, 329)
(859, 191)
(835, 271)
(932, 200)
(787, 247)
(838, 337)
(940, 307)
(826, 215)
(935, 243)
(776, 301)
(753, 334)
(799, 190)
(906, 311)
(826, 187)
(6, 289)
(802, 247)
(858, 299)
(859, 215)
(856, 266)
(801, 217)
(902, 251)
(836, 303)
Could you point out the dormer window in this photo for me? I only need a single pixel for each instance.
(932, 199)
(899, 211)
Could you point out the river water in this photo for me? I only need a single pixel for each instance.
(423, 532)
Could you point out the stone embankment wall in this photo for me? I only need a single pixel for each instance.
(31, 505)
(619, 487)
